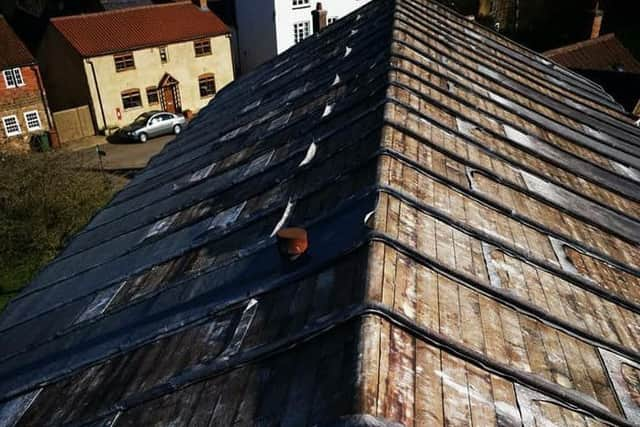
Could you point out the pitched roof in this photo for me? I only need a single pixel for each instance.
(473, 218)
(134, 28)
(13, 52)
(605, 53)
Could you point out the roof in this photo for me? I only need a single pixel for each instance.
(13, 52)
(138, 27)
(473, 218)
(605, 53)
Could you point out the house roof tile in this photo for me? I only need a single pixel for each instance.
(473, 219)
(605, 53)
(134, 28)
(12, 51)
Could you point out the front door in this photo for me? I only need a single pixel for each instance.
(169, 99)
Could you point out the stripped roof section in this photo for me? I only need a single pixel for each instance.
(138, 27)
(605, 53)
(473, 218)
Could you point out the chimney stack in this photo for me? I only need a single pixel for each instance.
(319, 18)
(484, 8)
(203, 4)
(598, 15)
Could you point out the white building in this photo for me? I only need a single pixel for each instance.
(267, 28)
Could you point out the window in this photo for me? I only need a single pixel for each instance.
(332, 19)
(164, 58)
(202, 47)
(152, 95)
(300, 3)
(207, 83)
(124, 62)
(32, 119)
(13, 78)
(11, 126)
(301, 30)
(131, 99)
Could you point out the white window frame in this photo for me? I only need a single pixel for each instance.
(16, 77)
(302, 26)
(6, 130)
(298, 4)
(26, 120)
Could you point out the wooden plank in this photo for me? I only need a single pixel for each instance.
(515, 346)
(404, 296)
(449, 304)
(428, 310)
(369, 362)
(401, 378)
(455, 392)
(536, 352)
(208, 399)
(382, 403)
(549, 413)
(579, 376)
(471, 321)
(495, 345)
(483, 411)
(428, 398)
(556, 359)
(506, 404)
(597, 376)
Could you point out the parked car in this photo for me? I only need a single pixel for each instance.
(153, 123)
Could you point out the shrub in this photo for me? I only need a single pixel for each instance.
(45, 198)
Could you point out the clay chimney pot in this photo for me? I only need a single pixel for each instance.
(292, 242)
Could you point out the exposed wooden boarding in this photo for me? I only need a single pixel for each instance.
(473, 214)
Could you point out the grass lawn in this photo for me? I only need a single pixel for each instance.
(45, 198)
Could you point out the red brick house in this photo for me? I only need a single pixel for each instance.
(23, 105)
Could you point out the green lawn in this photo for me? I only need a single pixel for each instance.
(45, 198)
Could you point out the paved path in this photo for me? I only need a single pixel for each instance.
(119, 156)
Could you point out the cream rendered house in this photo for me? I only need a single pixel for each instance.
(267, 28)
(120, 63)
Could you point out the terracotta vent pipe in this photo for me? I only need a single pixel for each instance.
(292, 242)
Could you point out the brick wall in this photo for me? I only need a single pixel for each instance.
(17, 101)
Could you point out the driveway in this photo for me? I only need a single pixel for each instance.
(120, 155)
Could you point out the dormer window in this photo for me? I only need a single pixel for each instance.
(13, 78)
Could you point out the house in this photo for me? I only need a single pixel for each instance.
(267, 28)
(173, 57)
(606, 61)
(406, 220)
(23, 105)
(601, 53)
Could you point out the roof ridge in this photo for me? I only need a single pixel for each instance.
(123, 11)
